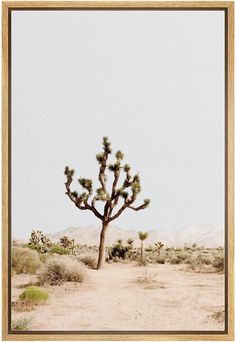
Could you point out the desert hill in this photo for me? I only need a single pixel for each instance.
(208, 236)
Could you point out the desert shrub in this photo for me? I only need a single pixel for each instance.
(182, 257)
(29, 298)
(174, 260)
(21, 324)
(89, 260)
(59, 269)
(149, 249)
(160, 259)
(43, 257)
(199, 263)
(146, 278)
(118, 251)
(25, 260)
(34, 295)
(218, 263)
(143, 262)
(58, 250)
(30, 246)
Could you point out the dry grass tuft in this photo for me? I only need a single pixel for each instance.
(22, 324)
(89, 260)
(25, 260)
(146, 278)
(219, 316)
(59, 269)
(219, 263)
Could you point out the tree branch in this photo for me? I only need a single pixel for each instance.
(125, 205)
(78, 200)
(143, 206)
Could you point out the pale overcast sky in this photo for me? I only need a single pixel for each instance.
(153, 81)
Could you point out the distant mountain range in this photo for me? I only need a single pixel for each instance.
(203, 235)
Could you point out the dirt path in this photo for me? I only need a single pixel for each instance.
(111, 300)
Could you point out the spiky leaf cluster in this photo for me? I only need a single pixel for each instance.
(69, 172)
(136, 187)
(124, 194)
(143, 235)
(146, 201)
(106, 145)
(119, 155)
(75, 194)
(102, 195)
(127, 168)
(114, 167)
(100, 157)
(65, 241)
(130, 241)
(86, 184)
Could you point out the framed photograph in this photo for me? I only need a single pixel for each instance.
(118, 170)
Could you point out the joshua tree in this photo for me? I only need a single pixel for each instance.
(41, 242)
(130, 242)
(65, 242)
(159, 245)
(111, 199)
(129, 247)
(36, 237)
(142, 237)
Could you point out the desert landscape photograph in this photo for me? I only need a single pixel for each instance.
(118, 172)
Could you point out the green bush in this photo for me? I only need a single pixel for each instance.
(22, 324)
(59, 269)
(25, 260)
(29, 298)
(33, 295)
(58, 250)
(31, 246)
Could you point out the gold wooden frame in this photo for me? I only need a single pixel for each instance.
(228, 7)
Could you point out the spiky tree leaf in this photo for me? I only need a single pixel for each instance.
(127, 168)
(146, 201)
(100, 157)
(136, 187)
(136, 178)
(130, 241)
(86, 184)
(124, 194)
(75, 194)
(119, 155)
(106, 145)
(111, 167)
(102, 195)
(143, 235)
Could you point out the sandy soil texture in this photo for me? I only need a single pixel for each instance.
(119, 297)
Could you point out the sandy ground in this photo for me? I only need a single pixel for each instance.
(111, 299)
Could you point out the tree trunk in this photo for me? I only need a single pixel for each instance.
(141, 250)
(102, 247)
